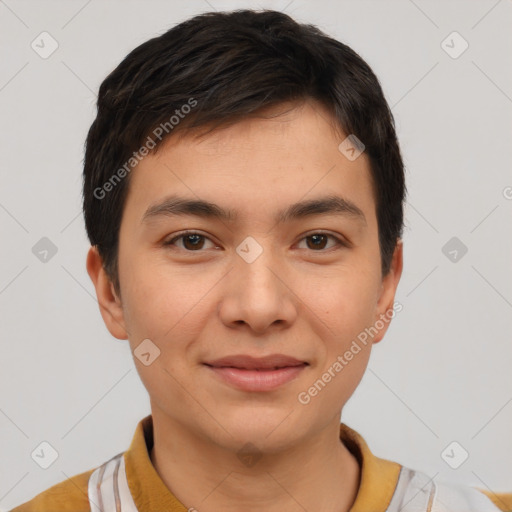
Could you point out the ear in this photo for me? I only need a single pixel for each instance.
(110, 305)
(385, 310)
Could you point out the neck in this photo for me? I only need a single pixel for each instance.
(318, 474)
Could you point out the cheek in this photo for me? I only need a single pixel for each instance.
(345, 301)
(171, 309)
(167, 314)
(333, 383)
(156, 297)
(350, 308)
(346, 307)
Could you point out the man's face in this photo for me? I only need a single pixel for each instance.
(252, 284)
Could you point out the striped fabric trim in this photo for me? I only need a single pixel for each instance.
(108, 487)
(108, 491)
(416, 492)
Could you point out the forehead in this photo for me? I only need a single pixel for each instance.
(257, 166)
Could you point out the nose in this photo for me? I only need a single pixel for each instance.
(258, 295)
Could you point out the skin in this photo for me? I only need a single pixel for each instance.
(295, 299)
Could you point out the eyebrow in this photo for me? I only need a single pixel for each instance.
(180, 206)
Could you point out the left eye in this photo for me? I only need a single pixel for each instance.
(319, 240)
(195, 241)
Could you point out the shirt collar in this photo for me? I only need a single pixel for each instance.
(377, 484)
(378, 476)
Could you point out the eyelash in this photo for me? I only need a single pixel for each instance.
(339, 241)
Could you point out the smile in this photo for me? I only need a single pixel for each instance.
(264, 379)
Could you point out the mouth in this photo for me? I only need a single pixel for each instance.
(248, 373)
(247, 362)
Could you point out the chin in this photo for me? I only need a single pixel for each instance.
(270, 429)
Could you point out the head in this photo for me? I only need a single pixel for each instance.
(219, 127)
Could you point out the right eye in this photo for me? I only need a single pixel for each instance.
(192, 241)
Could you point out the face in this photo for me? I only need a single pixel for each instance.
(262, 279)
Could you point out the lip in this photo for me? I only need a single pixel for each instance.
(246, 362)
(257, 380)
(257, 373)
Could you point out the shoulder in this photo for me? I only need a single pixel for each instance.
(503, 500)
(69, 495)
(415, 490)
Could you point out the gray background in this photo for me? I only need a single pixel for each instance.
(442, 373)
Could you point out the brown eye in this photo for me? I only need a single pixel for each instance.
(318, 241)
(191, 242)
